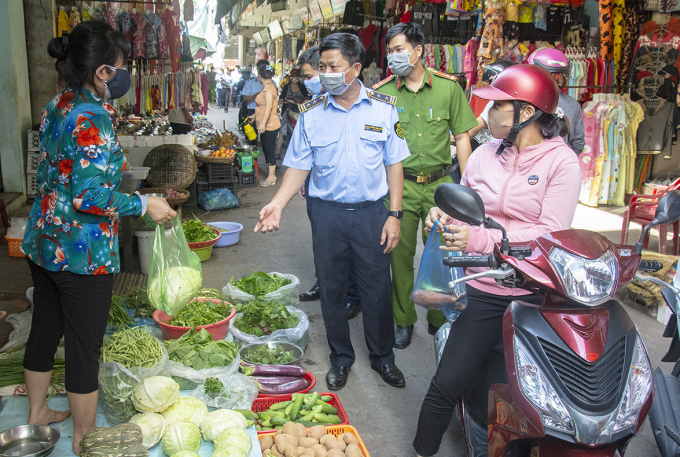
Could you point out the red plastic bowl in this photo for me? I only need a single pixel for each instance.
(205, 244)
(218, 330)
(308, 376)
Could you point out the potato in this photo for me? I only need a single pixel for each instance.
(282, 441)
(279, 432)
(275, 452)
(320, 451)
(335, 453)
(307, 442)
(302, 430)
(309, 453)
(289, 428)
(349, 438)
(301, 450)
(325, 439)
(353, 450)
(291, 451)
(336, 444)
(266, 452)
(317, 432)
(266, 442)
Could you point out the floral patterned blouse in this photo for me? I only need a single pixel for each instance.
(73, 224)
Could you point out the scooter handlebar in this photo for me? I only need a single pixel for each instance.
(468, 261)
(650, 265)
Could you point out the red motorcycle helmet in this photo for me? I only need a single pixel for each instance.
(551, 59)
(526, 83)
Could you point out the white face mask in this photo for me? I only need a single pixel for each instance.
(334, 83)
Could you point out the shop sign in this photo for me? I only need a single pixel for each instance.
(304, 15)
(315, 11)
(338, 6)
(326, 8)
(295, 21)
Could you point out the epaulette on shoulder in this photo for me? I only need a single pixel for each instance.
(383, 82)
(444, 75)
(306, 106)
(389, 99)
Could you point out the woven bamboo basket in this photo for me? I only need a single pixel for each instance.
(205, 159)
(172, 165)
(172, 201)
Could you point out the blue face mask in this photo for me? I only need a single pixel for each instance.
(119, 85)
(314, 85)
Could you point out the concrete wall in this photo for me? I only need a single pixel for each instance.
(15, 115)
(40, 29)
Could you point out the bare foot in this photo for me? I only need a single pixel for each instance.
(76, 445)
(48, 416)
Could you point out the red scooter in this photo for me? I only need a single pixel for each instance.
(570, 377)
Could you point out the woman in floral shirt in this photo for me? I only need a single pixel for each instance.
(71, 239)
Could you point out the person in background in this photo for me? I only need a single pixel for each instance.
(557, 64)
(292, 94)
(480, 134)
(219, 85)
(530, 181)
(430, 104)
(251, 88)
(71, 239)
(235, 79)
(309, 71)
(351, 141)
(226, 93)
(212, 75)
(266, 120)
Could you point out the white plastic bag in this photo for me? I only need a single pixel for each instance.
(289, 335)
(286, 295)
(188, 378)
(117, 383)
(22, 328)
(239, 392)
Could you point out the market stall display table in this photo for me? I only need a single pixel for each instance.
(14, 411)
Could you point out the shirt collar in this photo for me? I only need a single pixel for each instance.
(426, 80)
(363, 95)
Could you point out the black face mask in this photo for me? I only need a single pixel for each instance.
(119, 85)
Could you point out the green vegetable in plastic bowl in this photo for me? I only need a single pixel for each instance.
(201, 312)
(261, 318)
(269, 356)
(196, 232)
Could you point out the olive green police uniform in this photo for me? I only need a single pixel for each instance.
(428, 117)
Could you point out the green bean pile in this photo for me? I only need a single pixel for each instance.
(132, 347)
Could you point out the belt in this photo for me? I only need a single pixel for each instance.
(424, 179)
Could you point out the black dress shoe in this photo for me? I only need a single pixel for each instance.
(311, 294)
(336, 378)
(402, 337)
(390, 374)
(353, 310)
(431, 329)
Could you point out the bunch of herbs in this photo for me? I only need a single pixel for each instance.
(196, 232)
(269, 356)
(213, 386)
(201, 313)
(197, 350)
(260, 283)
(264, 317)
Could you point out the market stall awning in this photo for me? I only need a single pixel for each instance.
(200, 48)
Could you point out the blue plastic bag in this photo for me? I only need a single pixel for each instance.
(217, 199)
(431, 289)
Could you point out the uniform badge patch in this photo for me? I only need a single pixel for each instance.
(533, 180)
(373, 128)
(399, 131)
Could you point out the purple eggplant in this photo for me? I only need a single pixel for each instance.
(255, 369)
(274, 380)
(287, 388)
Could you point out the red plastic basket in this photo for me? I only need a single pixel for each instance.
(263, 403)
(218, 330)
(308, 376)
(334, 430)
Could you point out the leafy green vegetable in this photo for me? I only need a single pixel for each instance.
(137, 299)
(268, 356)
(212, 386)
(260, 283)
(264, 317)
(198, 350)
(196, 232)
(118, 317)
(181, 436)
(201, 313)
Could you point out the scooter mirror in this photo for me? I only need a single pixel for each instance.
(668, 210)
(460, 202)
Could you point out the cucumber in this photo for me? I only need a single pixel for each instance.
(280, 405)
(312, 424)
(328, 409)
(311, 402)
(248, 414)
(278, 421)
(297, 406)
(326, 397)
(289, 409)
(327, 418)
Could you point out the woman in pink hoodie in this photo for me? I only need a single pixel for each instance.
(529, 182)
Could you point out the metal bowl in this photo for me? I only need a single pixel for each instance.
(297, 351)
(28, 441)
(157, 194)
(247, 148)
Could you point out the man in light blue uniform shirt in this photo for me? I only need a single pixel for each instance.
(351, 141)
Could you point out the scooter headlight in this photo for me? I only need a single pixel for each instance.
(638, 388)
(584, 280)
(540, 393)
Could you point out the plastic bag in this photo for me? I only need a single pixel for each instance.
(22, 328)
(188, 378)
(289, 335)
(217, 199)
(239, 392)
(175, 273)
(440, 340)
(431, 289)
(117, 383)
(286, 295)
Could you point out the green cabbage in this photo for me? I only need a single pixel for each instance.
(187, 409)
(218, 421)
(185, 454)
(155, 394)
(175, 289)
(180, 436)
(152, 425)
(232, 440)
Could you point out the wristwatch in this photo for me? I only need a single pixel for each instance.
(397, 214)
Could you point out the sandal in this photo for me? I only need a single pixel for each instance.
(267, 183)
